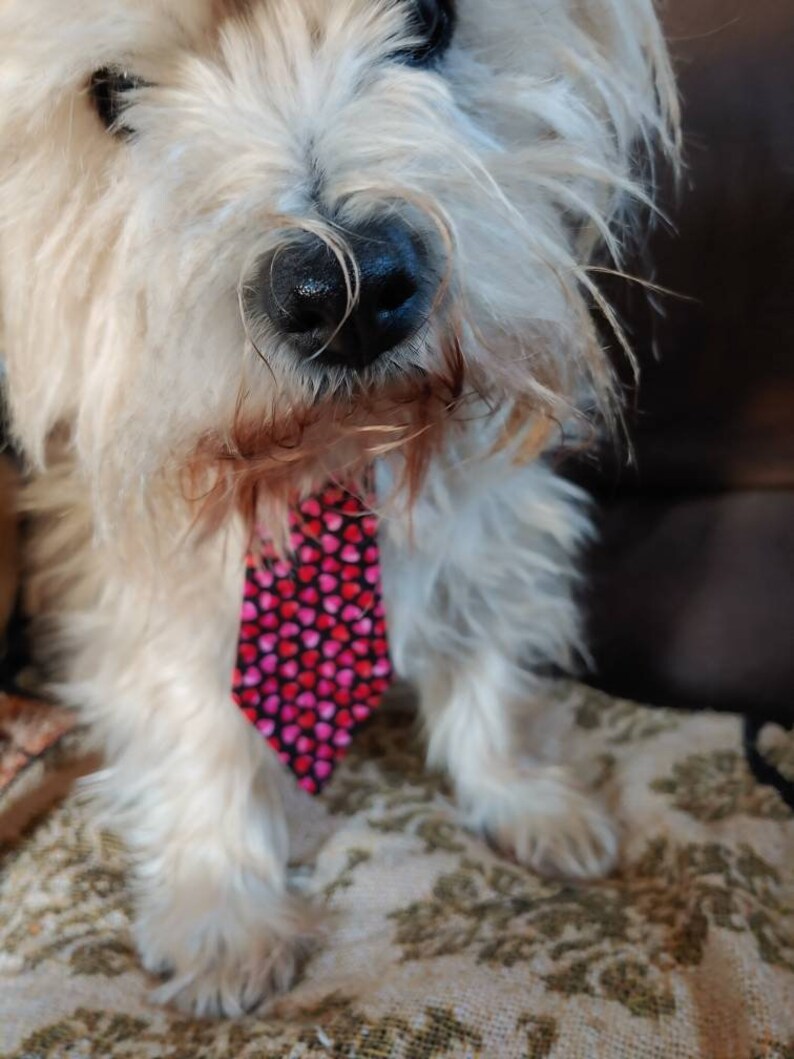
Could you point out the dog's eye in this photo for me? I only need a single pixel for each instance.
(109, 89)
(432, 23)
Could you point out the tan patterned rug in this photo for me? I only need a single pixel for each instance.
(440, 948)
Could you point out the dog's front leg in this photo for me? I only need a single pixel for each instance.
(479, 592)
(539, 813)
(189, 785)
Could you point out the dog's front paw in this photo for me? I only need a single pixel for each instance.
(546, 821)
(227, 964)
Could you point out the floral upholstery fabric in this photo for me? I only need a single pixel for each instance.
(437, 946)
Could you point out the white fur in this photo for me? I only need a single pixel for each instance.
(121, 271)
(479, 603)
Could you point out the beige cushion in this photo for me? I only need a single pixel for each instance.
(439, 947)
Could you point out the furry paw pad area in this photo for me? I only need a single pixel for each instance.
(437, 946)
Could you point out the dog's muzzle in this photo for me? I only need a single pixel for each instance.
(304, 293)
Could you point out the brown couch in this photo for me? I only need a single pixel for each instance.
(691, 590)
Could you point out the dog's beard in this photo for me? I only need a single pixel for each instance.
(266, 463)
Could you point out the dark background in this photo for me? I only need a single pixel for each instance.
(690, 593)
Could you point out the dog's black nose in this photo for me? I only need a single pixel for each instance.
(305, 293)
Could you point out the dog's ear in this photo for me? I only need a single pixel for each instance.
(622, 63)
(628, 63)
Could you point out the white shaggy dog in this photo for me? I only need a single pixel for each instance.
(175, 176)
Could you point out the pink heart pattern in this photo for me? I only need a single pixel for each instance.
(313, 657)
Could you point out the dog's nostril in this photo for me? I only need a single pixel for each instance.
(394, 294)
(301, 319)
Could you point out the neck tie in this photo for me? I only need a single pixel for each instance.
(313, 660)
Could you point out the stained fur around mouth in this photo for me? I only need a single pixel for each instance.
(267, 464)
